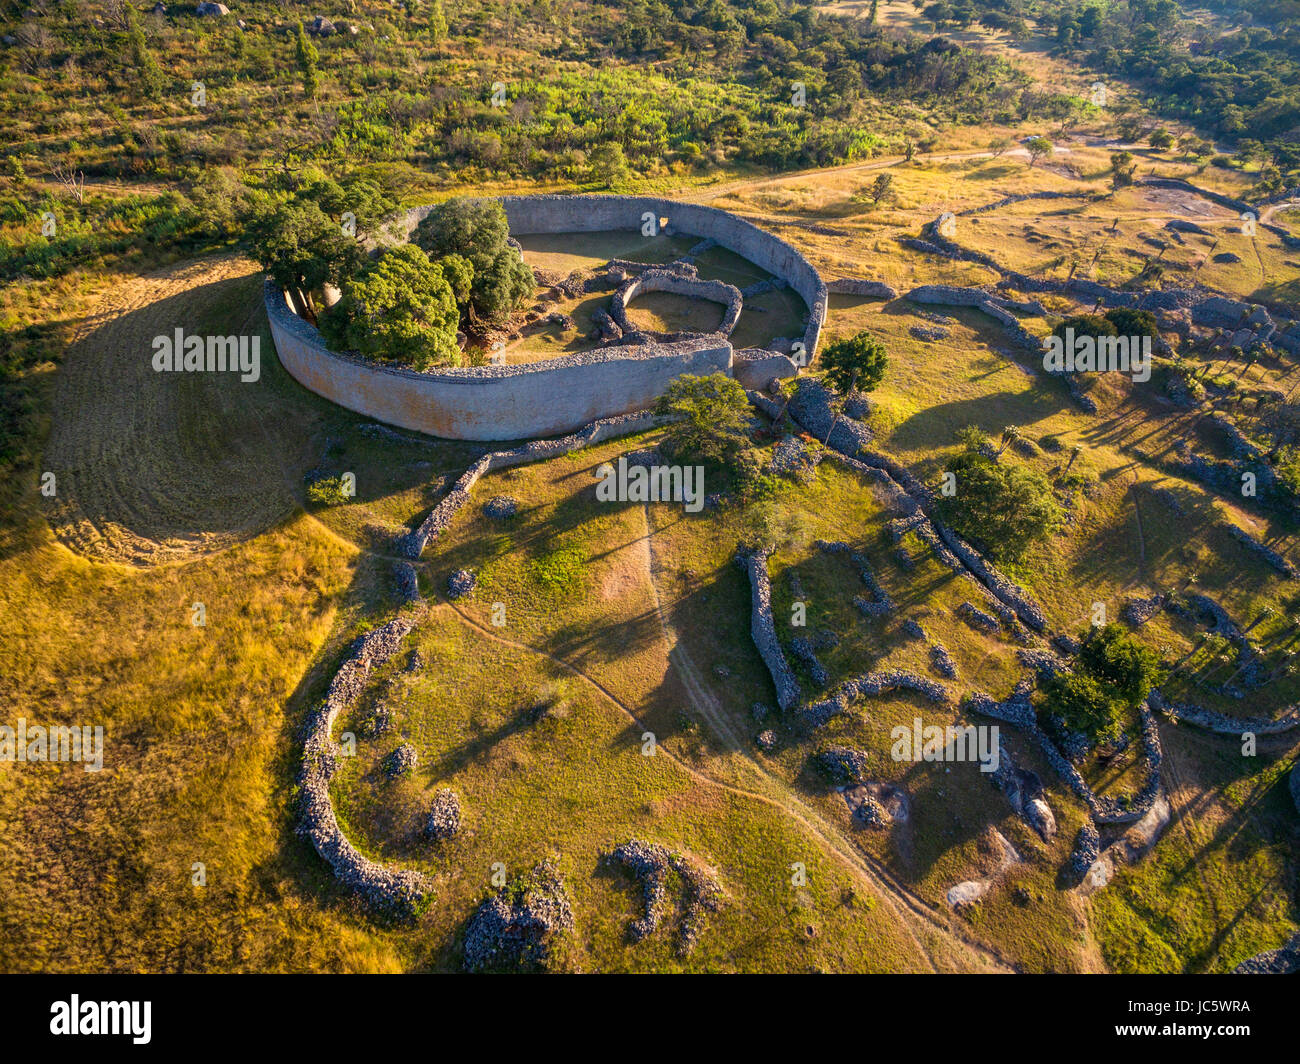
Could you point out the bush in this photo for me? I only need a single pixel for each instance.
(1083, 705)
(1117, 660)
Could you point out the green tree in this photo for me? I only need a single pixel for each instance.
(1094, 325)
(401, 309)
(880, 188)
(1161, 139)
(306, 56)
(1122, 165)
(857, 363)
(1003, 509)
(1119, 661)
(1129, 321)
(302, 250)
(1038, 148)
(712, 416)
(142, 60)
(1083, 705)
(609, 164)
(477, 230)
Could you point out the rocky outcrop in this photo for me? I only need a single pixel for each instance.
(518, 928)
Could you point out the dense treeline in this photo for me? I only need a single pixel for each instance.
(1234, 75)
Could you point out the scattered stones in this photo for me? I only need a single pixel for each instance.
(913, 630)
(760, 711)
(977, 618)
(378, 721)
(401, 762)
(408, 582)
(766, 740)
(803, 650)
(460, 583)
(796, 458)
(443, 823)
(843, 765)
(929, 336)
(1066, 644)
(942, 661)
(825, 639)
(518, 929)
(1137, 611)
(651, 863)
(501, 507)
(876, 805)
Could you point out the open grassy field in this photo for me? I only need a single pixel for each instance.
(174, 490)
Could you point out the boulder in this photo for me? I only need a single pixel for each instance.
(206, 8)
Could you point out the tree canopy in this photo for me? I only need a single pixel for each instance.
(400, 309)
(854, 364)
(712, 416)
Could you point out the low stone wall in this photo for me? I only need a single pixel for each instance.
(491, 402)
(1221, 724)
(395, 893)
(763, 629)
(413, 543)
(677, 284)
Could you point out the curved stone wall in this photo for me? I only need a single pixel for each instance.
(667, 281)
(553, 396)
(529, 215)
(544, 398)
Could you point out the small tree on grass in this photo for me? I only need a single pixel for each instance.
(712, 416)
(880, 188)
(1038, 148)
(1004, 509)
(855, 364)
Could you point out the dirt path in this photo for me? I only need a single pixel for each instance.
(911, 911)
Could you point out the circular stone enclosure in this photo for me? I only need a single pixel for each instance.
(560, 395)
